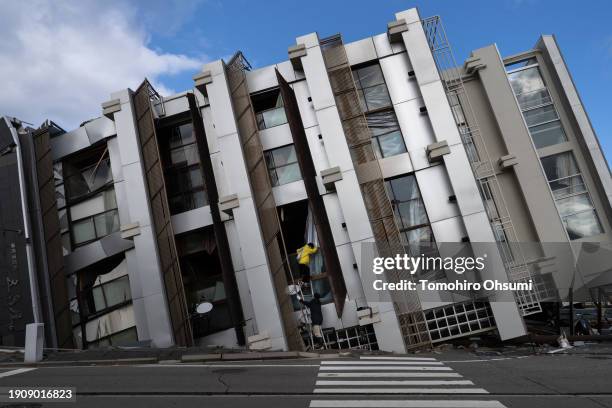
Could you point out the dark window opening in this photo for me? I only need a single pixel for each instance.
(203, 281)
(298, 229)
(182, 170)
(269, 109)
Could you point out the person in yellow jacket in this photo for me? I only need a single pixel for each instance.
(303, 257)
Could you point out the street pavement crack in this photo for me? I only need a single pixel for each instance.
(227, 386)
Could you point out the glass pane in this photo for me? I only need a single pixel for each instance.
(380, 123)
(559, 166)
(117, 291)
(370, 76)
(261, 124)
(199, 199)
(377, 97)
(182, 135)
(273, 177)
(288, 174)
(185, 155)
(527, 80)
(98, 298)
(535, 98)
(283, 155)
(83, 231)
(60, 196)
(392, 144)
(194, 177)
(274, 117)
(66, 246)
(547, 134)
(362, 104)
(107, 223)
(567, 186)
(412, 213)
(403, 188)
(419, 241)
(110, 200)
(540, 115)
(585, 224)
(125, 337)
(574, 204)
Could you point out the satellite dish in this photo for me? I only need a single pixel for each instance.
(204, 307)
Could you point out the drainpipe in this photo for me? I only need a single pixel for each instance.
(26, 227)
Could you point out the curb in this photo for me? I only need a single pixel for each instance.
(80, 363)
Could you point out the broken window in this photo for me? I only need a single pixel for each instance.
(298, 229)
(88, 195)
(387, 138)
(100, 303)
(203, 281)
(375, 102)
(282, 165)
(182, 170)
(269, 109)
(88, 175)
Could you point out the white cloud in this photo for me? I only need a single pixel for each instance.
(61, 59)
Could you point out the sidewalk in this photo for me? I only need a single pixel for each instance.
(182, 355)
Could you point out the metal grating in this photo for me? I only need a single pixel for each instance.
(482, 167)
(164, 235)
(262, 194)
(52, 238)
(380, 212)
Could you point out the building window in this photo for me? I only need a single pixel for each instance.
(184, 181)
(571, 196)
(100, 301)
(282, 165)
(203, 280)
(375, 102)
(88, 194)
(269, 109)
(94, 218)
(410, 216)
(371, 87)
(537, 106)
(387, 138)
(459, 319)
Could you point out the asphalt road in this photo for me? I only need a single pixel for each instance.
(456, 380)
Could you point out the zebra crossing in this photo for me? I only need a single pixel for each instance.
(390, 375)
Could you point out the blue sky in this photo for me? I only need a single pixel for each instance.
(264, 29)
(61, 58)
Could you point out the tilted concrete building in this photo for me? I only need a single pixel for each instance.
(163, 202)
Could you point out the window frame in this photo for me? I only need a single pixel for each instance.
(275, 168)
(179, 170)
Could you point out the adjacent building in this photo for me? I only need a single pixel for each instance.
(116, 230)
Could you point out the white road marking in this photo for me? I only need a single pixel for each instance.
(400, 391)
(395, 382)
(398, 358)
(383, 368)
(405, 404)
(403, 363)
(391, 375)
(17, 371)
